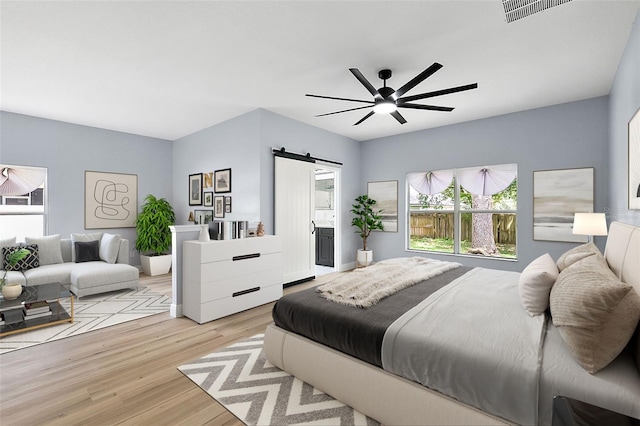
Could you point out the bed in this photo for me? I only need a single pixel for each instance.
(367, 357)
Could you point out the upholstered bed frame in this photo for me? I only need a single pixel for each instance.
(391, 399)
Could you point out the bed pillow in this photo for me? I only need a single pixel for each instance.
(109, 247)
(576, 254)
(596, 314)
(83, 237)
(535, 284)
(87, 251)
(49, 251)
(29, 262)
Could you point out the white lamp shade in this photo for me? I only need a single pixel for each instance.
(590, 224)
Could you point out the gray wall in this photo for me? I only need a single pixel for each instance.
(67, 150)
(244, 145)
(624, 101)
(558, 137)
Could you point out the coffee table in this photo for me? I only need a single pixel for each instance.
(13, 311)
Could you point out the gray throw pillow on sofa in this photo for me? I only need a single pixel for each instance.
(109, 247)
(84, 238)
(87, 251)
(49, 251)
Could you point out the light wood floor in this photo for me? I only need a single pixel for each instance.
(124, 374)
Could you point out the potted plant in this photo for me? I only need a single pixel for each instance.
(154, 235)
(12, 291)
(366, 220)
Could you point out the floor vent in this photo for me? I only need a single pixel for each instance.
(518, 9)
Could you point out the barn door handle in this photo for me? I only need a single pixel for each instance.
(314, 227)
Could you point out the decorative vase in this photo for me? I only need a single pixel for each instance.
(204, 233)
(11, 291)
(260, 230)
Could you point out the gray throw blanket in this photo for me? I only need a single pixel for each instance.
(365, 287)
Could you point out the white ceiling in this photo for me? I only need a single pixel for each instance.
(170, 68)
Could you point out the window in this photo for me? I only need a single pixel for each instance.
(470, 211)
(22, 201)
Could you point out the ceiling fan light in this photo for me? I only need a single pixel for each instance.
(384, 107)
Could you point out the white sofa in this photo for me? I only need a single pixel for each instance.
(57, 264)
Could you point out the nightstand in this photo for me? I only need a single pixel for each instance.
(571, 412)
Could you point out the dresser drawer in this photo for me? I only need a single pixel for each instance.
(219, 289)
(218, 251)
(216, 271)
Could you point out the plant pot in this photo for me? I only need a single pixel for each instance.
(11, 291)
(155, 265)
(364, 258)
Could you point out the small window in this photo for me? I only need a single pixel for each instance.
(22, 201)
(470, 211)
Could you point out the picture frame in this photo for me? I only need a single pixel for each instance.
(208, 199)
(557, 196)
(386, 195)
(634, 161)
(222, 181)
(110, 200)
(227, 204)
(218, 207)
(202, 217)
(195, 189)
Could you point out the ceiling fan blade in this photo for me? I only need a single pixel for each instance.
(344, 110)
(428, 107)
(363, 118)
(361, 78)
(439, 92)
(397, 116)
(418, 79)
(340, 99)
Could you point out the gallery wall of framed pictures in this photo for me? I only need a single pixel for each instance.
(203, 188)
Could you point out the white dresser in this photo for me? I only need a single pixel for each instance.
(220, 278)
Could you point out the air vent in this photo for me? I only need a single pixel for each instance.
(518, 9)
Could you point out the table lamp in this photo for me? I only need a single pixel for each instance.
(590, 224)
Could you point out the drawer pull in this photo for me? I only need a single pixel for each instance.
(243, 292)
(246, 256)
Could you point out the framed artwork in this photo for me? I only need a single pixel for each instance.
(634, 161)
(386, 195)
(222, 181)
(208, 199)
(203, 216)
(110, 200)
(195, 189)
(227, 204)
(557, 195)
(218, 206)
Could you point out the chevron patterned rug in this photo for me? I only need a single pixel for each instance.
(241, 379)
(93, 313)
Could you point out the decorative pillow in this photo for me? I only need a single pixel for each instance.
(87, 251)
(109, 247)
(535, 284)
(29, 262)
(83, 237)
(576, 254)
(49, 252)
(596, 314)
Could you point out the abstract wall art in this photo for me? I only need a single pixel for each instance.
(110, 200)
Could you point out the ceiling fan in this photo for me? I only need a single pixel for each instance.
(387, 100)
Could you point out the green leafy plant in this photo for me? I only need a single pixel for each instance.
(12, 259)
(152, 226)
(366, 219)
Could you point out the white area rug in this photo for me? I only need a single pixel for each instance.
(93, 313)
(241, 379)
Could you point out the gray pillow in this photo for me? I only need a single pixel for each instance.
(596, 314)
(83, 238)
(49, 251)
(576, 254)
(535, 284)
(7, 242)
(109, 247)
(87, 251)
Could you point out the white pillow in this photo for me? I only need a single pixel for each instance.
(7, 242)
(49, 251)
(535, 284)
(83, 238)
(109, 247)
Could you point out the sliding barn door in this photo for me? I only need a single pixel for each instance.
(294, 210)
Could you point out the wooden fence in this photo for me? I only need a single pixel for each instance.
(440, 225)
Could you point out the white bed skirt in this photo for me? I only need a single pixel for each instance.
(380, 395)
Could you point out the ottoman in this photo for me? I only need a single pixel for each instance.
(100, 277)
